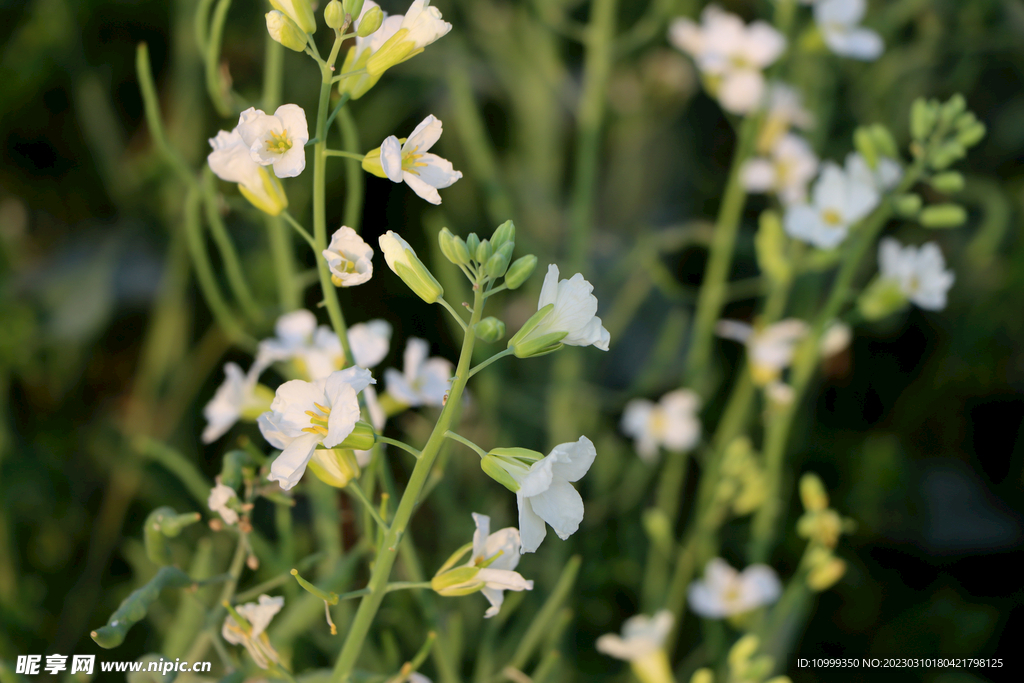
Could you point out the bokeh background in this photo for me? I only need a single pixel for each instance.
(916, 429)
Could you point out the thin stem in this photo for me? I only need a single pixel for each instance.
(337, 108)
(388, 551)
(301, 230)
(228, 253)
(398, 444)
(463, 440)
(215, 84)
(455, 314)
(342, 153)
(347, 74)
(391, 587)
(354, 181)
(484, 364)
(152, 108)
(354, 488)
(280, 580)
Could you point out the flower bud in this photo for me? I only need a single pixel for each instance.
(299, 11)
(461, 251)
(285, 31)
(971, 135)
(490, 329)
(520, 271)
(812, 493)
(948, 154)
(742, 651)
(702, 676)
(884, 141)
(472, 243)
(334, 466)
(943, 216)
(952, 109)
(334, 14)
(826, 574)
(500, 462)
(483, 251)
(923, 115)
(372, 20)
(908, 205)
(880, 299)
(506, 232)
(948, 182)
(403, 261)
(497, 264)
(353, 7)
(269, 197)
(444, 240)
(865, 144)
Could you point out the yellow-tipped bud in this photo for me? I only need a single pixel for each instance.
(403, 261)
(812, 493)
(285, 31)
(372, 21)
(826, 574)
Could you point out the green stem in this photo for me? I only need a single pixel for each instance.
(455, 314)
(280, 580)
(389, 588)
(342, 153)
(215, 85)
(301, 230)
(228, 253)
(713, 289)
(484, 364)
(466, 442)
(354, 180)
(357, 491)
(388, 551)
(156, 129)
(337, 108)
(398, 444)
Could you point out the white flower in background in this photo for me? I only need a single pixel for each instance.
(255, 639)
(370, 342)
(230, 160)
(546, 495)
(424, 381)
(238, 396)
(835, 339)
(731, 53)
(839, 23)
(883, 178)
(785, 111)
(787, 172)
(769, 350)
(779, 393)
(642, 645)
(277, 139)
(220, 496)
(349, 258)
(572, 318)
(671, 422)
(921, 272)
(315, 351)
(724, 592)
(305, 415)
(498, 576)
(425, 173)
(838, 200)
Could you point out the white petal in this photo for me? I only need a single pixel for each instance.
(841, 12)
(421, 188)
(271, 432)
(291, 163)
(294, 120)
(400, 388)
(761, 586)
(289, 467)
(254, 126)
(224, 409)
(549, 290)
(573, 460)
(391, 159)
(343, 417)
(370, 342)
(560, 506)
(758, 175)
(537, 479)
(763, 45)
(531, 527)
(506, 542)
(423, 136)
(416, 351)
(614, 646)
(741, 91)
(502, 579)
(437, 171)
(734, 329)
(434, 381)
(296, 327)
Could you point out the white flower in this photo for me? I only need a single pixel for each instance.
(424, 24)
(254, 640)
(279, 139)
(349, 258)
(770, 350)
(671, 422)
(839, 22)
(423, 382)
(731, 53)
(838, 200)
(425, 173)
(370, 342)
(724, 592)
(315, 351)
(236, 397)
(835, 339)
(220, 495)
(230, 160)
(359, 80)
(498, 576)
(305, 415)
(884, 177)
(920, 272)
(572, 317)
(641, 636)
(791, 167)
(545, 494)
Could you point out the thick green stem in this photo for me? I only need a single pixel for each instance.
(713, 289)
(389, 548)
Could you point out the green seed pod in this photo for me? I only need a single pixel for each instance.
(472, 243)
(922, 119)
(133, 609)
(865, 144)
(372, 20)
(334, 14)
(161, 524)
(908, 205)
(483, 251)
(943, 216)
(445, 240)
(948, 182)
(490, 330)
(506, 232)
(520, 271)
(884, 141)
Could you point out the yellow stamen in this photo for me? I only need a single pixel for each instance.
(325, 411)
(316, 429)
(278, 142)
(832, 217)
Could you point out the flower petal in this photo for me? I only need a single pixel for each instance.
(572, 460)
(421, 188)
(531, 527)
(289, 467)
(391, 159)
(423, 136)
(560, 506)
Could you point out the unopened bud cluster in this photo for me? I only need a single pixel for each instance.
(486, 260)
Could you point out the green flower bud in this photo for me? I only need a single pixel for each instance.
(826, 574)
(299, 11)
(884, 141)
(483, 251)
(908, 205)
(742, 651)
(490, 329)
(498, 263)
(444, 240)
(971, 135)
(658, 529)
(285, 31)
(922, 119)
(472, 243)
(334, 14)
(703, 676)
(372, 20)
(952, 109)
(770, 243)
(943, 216)
(506, 232)
(881, 299)
(948, 182)
(865, 144)
(520, 271)
(353, 7)
(462, 256)
(499, 463)
(403, 261)
(335, 466)
(948, 154)
(812, 493)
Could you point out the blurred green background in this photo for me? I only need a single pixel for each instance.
(917, 429)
